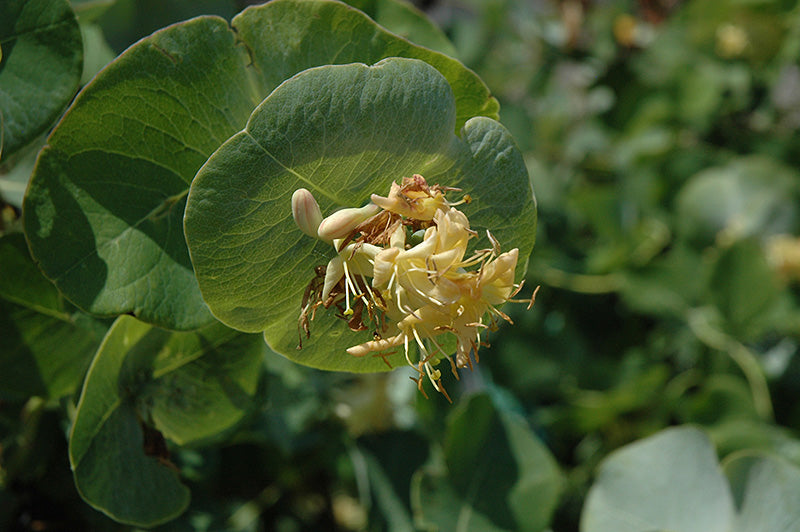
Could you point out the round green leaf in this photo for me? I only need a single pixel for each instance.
(670, 481)
(203, 383)
(749, 197)
(146, 384)
(103, 213)
(343, 132)
(770, 493)
(285, 37)
(104, 206)
(746, 289)
(40, 66)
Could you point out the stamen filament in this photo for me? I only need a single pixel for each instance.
(417, 287)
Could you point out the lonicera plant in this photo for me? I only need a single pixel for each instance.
(182, 193)
(229, 207)
(411, 245)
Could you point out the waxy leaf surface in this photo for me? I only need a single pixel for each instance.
(146, 384)
(105, 206)
(343, 132)
(769, 493)
(41, 57)
(670, 481)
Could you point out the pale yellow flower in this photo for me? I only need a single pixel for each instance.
(422, 292)
(412, 199)
(343, 222)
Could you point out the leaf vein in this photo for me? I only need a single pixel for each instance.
(299, 176)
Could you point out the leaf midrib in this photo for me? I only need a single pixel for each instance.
(200, 353)
(310, 183)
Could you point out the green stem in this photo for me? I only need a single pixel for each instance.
(577, 282)
(740, 354)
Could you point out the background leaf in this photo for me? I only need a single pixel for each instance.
(670, 481)
(15, 172)
(125, 22)
(146, 383)
(105, 205)
(769, 489)
(498, 475)
(745, 289)
(21, 281)
(440, 507)
(344, 132)
(43, 355)
(40, 67)
(288, 36)
(747, 197)
(46, 346)
(404, 19)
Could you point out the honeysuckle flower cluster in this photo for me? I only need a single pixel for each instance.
(402, 271)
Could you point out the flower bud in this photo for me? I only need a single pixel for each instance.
(305, 212)
(342, 222)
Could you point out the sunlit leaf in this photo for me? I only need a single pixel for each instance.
(670, 481)
(105, 206)
(768, 492)
(343, 132)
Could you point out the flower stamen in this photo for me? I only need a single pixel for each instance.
(403, 260)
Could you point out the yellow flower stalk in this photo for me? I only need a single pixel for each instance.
(411, 293)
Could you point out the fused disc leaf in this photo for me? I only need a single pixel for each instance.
(285, 37)
(343, 132)
(770, 493)
(40, 67)
(146, 384)
(104, 210)
(104, 206)
(670, 481)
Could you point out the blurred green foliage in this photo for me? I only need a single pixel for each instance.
(662, 141)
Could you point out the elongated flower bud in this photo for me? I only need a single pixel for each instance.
(342, 222)
(305, 211)
(401, 271)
